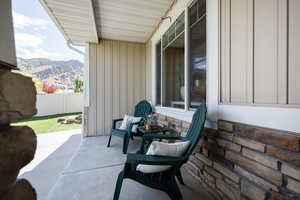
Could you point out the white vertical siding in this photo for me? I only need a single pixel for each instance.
(142, 72)
(100, 88)
(130, 78)
(117, 82)
(241, 51)
(258, 52)
(108, 81)
(123, 78)
(282, 52)
(270, 51)
(225, 51)
(148, 74)
(294, 52)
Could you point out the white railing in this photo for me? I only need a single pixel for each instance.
(51, 104)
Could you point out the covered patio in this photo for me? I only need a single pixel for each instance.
(238, 59)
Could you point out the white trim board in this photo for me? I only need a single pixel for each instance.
(268, 117)
(184, 115)
(287, 119)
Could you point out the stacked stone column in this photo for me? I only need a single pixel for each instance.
(17, 143)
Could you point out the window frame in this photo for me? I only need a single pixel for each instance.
(187, 37)
(190, 26)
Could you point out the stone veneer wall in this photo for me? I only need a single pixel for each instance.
(240, 161)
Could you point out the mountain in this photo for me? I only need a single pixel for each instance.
(62, 73)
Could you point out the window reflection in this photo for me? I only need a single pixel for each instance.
(197, 70)
(193, 13)
(174, 73)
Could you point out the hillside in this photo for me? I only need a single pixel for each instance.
(62, 73)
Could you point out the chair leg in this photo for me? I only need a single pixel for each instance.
(118, 186)
(174, 191)
(108, 144)
(125, 144)
(179, 177)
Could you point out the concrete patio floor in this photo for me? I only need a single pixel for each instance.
(54, 152)
(93, 170)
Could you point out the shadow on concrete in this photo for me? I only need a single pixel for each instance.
(46, 173)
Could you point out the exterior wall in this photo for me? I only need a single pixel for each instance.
(52, 104)
(271, 115)
(258, 74)
(258, 68)
(240, 161)
(117, 79)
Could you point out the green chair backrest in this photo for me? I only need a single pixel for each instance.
(196, 128)
(142, 109)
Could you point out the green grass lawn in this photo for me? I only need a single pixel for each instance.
(47, 124)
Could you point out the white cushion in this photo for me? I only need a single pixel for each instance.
(176, 149)
(128, 120)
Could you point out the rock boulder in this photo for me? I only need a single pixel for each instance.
(17, 97)
(17, 149)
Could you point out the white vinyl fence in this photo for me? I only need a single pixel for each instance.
(51, 104)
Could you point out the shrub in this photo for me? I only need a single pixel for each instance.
(78, 83)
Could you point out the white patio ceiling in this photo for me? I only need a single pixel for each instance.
(82, 21)
(74, 19)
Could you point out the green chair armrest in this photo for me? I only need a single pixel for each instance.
(114, 122)
(161, 136)
(131, 125)
(121, 130)
(153, 160)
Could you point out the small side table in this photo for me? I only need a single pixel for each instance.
(156, 129)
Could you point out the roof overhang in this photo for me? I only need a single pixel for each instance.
(75, 19)
(84, 21)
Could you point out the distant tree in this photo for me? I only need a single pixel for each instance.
(49, 87)
(78, 85)
(37, 82)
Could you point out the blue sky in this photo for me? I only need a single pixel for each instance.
(36, 35)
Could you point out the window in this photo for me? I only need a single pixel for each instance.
(158, 73)
(173, 65)
(170, 76)
(173, 76)
(197, 68)
(193, 13)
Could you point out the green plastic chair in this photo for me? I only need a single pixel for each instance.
(142, 109)
(164, 181)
